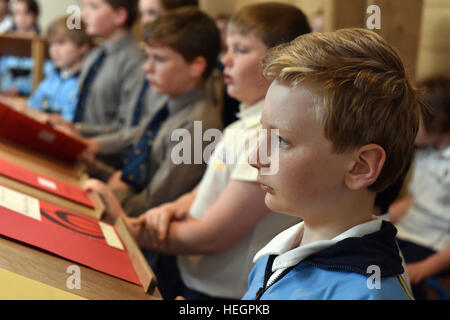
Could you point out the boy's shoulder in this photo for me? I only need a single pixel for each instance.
(309, 282)
(126, 48)
(198, 106)
(357, 267)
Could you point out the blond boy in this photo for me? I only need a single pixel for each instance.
(347, 117)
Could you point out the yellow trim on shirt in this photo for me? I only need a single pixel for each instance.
(405, 287)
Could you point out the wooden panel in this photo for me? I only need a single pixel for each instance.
(400, 26)
(344, 14)
(432, 63)
(434, 52)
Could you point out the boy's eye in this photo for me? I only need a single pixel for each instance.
(159, 59)
(241, 50)
(282, 142)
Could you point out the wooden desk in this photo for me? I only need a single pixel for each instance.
(72, 174)
(51, 168)
(51, 270)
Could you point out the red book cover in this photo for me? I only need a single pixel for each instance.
(55, 187)
(36, 135)
(74, 237)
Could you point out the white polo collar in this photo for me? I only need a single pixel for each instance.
(251, 115)
(446, 153)
(282, 244)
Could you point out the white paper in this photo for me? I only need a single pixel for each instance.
(47, 183)
(111, 236)
(46, 136)
(20, 203)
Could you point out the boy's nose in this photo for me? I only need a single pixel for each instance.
(148, 66)
(254, 159)
(226, 59)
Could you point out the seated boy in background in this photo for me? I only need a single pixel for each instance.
(178, 65)
(347, 116)
(111, 147)
(16, 73)
(423, 216)
(58, 92)
(110, 74)
(6, 21)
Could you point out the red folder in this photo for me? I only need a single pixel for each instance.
(71, 236)
(41, 137)
(57, 188)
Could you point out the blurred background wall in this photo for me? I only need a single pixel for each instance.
(430, 54)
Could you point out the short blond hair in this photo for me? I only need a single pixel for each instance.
(364, 93)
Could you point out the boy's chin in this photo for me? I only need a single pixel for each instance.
(273, 204)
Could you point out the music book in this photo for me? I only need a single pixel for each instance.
(77, 238)
(44, 183)
(31, 133)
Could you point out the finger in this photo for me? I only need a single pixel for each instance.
(154, 230)
(163, 227)
(180, 215)
(141, 220)
(88, 185)
(91, 185)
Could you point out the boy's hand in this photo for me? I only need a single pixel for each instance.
(89, 160)
(135, 226)
(113, 207)
(116, 183)
(417, 272)
(88, 156)
(158, 220)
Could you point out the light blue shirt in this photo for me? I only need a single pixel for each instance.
(17, 72)
(58, 92)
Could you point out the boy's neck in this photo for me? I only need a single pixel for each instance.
(189, 87)
(116, 35)
(74, 68)
(328, 224)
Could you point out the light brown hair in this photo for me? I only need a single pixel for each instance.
(365, 96)
(275, 23)
(58, 29)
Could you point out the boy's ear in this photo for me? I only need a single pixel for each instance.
(120, 16)
(198, 67)
(368, 161)
(85, 49)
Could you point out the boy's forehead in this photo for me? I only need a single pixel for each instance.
(286, 103)
(59, 37)
(161, 48)
(157, 46)
(235, 34)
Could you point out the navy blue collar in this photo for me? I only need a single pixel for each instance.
(357, 254)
